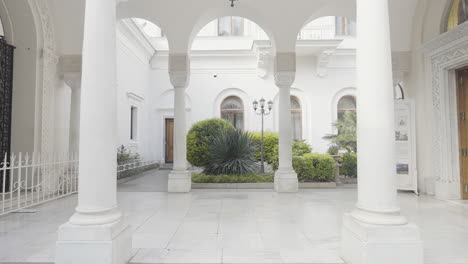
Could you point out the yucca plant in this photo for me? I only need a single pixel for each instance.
(231, 152)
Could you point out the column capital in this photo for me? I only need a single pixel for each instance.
(179, 69)
(179, 79)
(285, 79)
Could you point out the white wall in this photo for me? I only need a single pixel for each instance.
(133, 84)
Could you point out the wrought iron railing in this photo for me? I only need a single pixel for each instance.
(31, 179)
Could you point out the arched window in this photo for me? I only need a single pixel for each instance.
(458, 13)
(346, 104)
(232, 110)
(296, 118)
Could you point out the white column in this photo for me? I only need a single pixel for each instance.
(180, 179)
(375, 232)
(74, 81)
(97, 232)
(285, 177)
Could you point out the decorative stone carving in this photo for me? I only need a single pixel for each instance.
(285, 79)
(446, 52)
(322, 63)
(179, 70)
(263, 62)
(50, 60)
(179, 79)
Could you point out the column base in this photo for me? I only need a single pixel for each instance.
(384, 244)
(179, 182)
(94, 244)
(286, 181)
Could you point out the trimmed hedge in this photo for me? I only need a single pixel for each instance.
(199, 137)
(271, 141)
(349, 165)
(248, 178)
(313, 167)
(300, 148)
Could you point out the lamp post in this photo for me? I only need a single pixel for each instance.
(262, 112)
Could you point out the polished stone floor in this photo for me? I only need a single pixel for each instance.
(222, 226)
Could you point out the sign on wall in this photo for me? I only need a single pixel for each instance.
(405, 140)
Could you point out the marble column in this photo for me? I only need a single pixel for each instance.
(285, 71)
(97, 232)
(180, 179)
(376, 232)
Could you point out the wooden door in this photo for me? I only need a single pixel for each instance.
(462, 97)
(169, 145)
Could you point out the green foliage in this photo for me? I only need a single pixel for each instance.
(199, 137)
(248, 178)
(313, 167)
(300, 147)
(346, 136)
(231, 152)
(349, 165)
(271, 140)
(125, 156)
(333, 150)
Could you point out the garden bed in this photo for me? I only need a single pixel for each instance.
(251, 181)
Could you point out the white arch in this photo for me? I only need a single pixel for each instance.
(214, 14)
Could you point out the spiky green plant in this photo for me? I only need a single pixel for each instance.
(231, 152)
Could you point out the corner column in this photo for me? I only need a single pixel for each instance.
(97, 232)
(375, 232)
(285, 72)
(180, 179)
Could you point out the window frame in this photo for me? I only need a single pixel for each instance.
(300, 112)
(233, 112)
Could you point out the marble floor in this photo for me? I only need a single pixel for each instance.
(223, 226)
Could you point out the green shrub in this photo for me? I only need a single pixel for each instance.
(125, 156)
(333, 150)
(231, 152)
(199, 137)
(349, 165)
(249, 178)
(313, 167)
(271, 140)
(300, 148)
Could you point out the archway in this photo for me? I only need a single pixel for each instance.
(229, 52)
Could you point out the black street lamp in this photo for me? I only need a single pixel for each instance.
(262, 112)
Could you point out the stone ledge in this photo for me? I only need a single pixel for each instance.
(267, 185)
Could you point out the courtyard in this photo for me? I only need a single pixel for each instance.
(234, 226)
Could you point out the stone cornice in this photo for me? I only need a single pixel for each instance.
(452, 38)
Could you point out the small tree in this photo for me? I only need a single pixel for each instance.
(346, 136)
